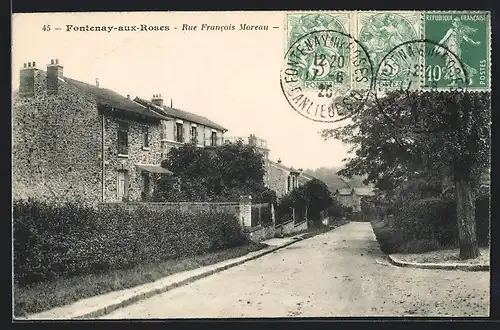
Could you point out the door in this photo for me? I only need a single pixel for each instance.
(122, 185)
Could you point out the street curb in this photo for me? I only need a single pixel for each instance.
(466, 267)
(129, 301)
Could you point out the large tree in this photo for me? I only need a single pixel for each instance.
(314, 195)
(219, 173)
(435, 136)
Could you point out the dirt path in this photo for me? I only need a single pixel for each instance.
(340, 273)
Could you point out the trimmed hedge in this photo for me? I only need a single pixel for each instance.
(71, 239)
(435, 219)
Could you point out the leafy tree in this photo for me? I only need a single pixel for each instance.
(219, 173)
(397, 146)
(314, 195)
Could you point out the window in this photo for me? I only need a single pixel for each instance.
(145, 137)
(194, 135)
(179, 136)
(163, 133)
(145, 183)
(123, 138)
(122, 185)
(214, 139)
(289, 184)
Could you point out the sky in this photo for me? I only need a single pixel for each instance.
(230, 77)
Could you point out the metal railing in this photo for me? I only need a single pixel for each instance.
(261, 215)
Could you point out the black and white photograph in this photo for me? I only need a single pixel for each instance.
(251, 164)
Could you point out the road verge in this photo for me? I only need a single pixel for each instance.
(94, 307)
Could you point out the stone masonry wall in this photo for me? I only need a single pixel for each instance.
(261, 233)
(136, 155)
(277, 180)
(56, 143)
(189, 207)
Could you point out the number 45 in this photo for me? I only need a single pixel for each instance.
(46, 28)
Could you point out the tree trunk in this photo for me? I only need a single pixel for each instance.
(466, 220)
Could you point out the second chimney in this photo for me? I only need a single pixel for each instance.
(157, 100)
(54, 72)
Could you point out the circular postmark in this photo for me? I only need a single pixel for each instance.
(415, 76)
(320, 74)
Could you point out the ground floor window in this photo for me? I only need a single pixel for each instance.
(122, 185)
(146, 184)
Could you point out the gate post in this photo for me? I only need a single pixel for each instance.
(246, 211)
(273, 215)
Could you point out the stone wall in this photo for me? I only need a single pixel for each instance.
(261, 233)
(56, 144)
(300, 226)
(190, 207)
(290, 227)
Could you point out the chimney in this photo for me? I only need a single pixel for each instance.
(171, 102)
(97, 82)
(27, 80)
(279, 161)
(128, 96)
(157, 100)
(54, 72)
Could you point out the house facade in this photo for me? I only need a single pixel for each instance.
(351, 197)
(77, 141)
(183, 127)
(283, 179)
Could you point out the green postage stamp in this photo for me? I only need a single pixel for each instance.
(467, 35)
(329, 55)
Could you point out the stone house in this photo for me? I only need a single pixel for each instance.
(351, 197)
(283, 179)
(183, 127)
(77, 141)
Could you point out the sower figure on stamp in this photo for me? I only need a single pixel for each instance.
(452, 40)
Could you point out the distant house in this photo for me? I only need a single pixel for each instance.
(283, 179)
(351, 197)
(304, 178)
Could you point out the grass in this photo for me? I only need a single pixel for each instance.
(448, 256)
(47, 295)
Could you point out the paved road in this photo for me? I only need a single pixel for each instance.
(339, 273)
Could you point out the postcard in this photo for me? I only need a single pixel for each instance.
(251, 164)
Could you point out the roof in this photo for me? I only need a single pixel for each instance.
(283, 167)
(307, 176)
(112, 99)
(177, 113)
(363, 191)
(153, 168)
(344, 191)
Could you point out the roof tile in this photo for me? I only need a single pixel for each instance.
(177, 113)
(112, 99)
